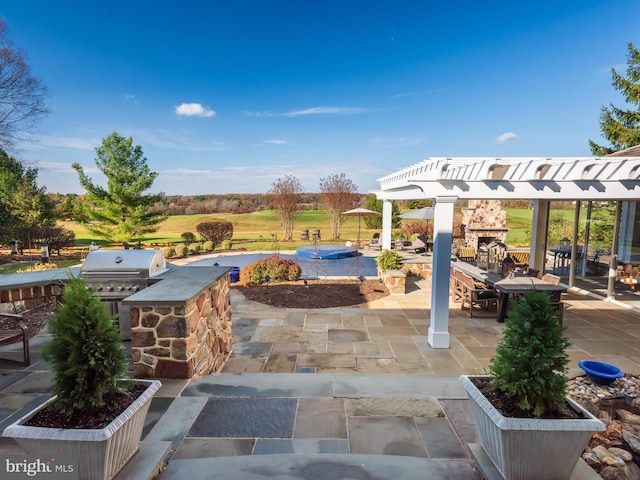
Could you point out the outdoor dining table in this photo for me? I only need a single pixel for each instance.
(507, 287)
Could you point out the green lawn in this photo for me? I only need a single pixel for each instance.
(257, 231)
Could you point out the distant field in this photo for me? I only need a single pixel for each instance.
(254, 230)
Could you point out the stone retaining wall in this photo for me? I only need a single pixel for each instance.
(185, 340)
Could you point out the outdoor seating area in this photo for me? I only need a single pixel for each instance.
(476, 286)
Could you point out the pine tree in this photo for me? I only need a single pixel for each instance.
(622, 127)
(530, 362)
(86, 352)
(121, 212)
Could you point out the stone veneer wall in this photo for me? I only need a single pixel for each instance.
(484, 218)
(185, 340)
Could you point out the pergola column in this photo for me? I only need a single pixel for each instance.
(442, 238)
(538, 245)
(387, 213)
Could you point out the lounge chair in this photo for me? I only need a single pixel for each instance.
(419, 245)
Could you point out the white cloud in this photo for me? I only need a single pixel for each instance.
(313, 111)
(131, 98)
(276, 141)
(506, 137)
(194, 109)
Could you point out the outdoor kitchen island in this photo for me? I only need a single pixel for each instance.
(181, 324)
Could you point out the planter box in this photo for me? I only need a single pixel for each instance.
(530, 448)
(101, 452)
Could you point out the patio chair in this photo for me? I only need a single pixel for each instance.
(467, 254)
(551, 278)
(474, 294)
(10, 336)
(419, 245)
(374, 243)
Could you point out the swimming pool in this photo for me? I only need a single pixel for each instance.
(311, 267)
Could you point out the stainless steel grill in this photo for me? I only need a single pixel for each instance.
(116, 274)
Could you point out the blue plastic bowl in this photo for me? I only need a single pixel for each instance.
(599, 372)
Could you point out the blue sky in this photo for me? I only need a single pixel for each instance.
(225, 97)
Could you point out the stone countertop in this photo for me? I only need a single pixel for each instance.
(178, 285)
(10, 281)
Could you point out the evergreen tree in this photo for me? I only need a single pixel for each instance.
(121, 212)
(375, 222)
(23, 205)
(622, 127)
(531, 361)
(85, 352)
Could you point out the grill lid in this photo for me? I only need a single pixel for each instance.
(135, 263)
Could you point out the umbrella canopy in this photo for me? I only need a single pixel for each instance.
(425, 213)
(359, 212)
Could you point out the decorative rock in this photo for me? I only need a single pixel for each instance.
(632, 471)
(612, 473)
(619, 452)
(628, 417)
(607, 458)
(632, 440)
(592, 460)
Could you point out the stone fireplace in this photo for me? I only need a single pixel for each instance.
(485, 222)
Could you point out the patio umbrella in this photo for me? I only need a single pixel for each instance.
(425, 213)
(359, 212)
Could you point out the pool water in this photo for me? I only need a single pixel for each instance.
(311, 267)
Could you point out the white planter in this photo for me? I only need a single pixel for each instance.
(530, 448)
(101, 452)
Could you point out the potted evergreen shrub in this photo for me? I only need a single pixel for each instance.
(96, 415)
(525, 422)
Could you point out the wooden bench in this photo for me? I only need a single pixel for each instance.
(8, 337)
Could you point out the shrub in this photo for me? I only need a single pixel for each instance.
(530, 363)
(188, 237)
(208, 246)
(86, 353)
(55, 237)
(225, 245)
(415, 228)
(389, 260)
(195, 248)
(215, 231)
(279, 269)
(182, 250)
(169, 252)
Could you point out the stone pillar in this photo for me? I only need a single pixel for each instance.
(442, 237)
(185, 340)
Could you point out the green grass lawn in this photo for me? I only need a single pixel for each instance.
(257, 231)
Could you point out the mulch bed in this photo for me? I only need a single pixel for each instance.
(316, 294)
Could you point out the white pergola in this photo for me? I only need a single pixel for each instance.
(445, 180)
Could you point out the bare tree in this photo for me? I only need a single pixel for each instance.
(284, 197)
(22, 97)
(338, 194)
